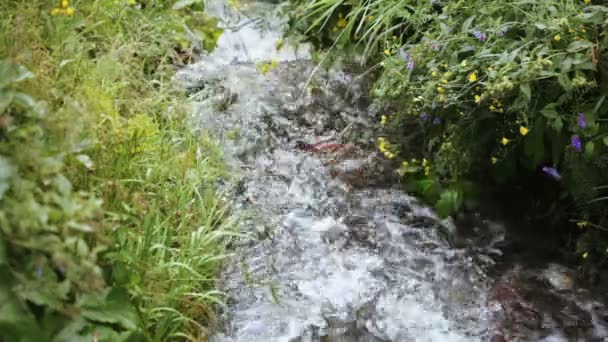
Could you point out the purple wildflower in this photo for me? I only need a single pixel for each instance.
(502, 32)
(576, 143)
(480, 35)
(582, 121)
(436, 121)
(404, 55)
(436, 46)
(424, 116)
(552, 172)
(410, 64)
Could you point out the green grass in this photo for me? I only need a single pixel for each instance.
(111, 223)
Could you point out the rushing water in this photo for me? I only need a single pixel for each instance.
(333, 253)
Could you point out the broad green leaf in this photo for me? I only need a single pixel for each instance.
(11, 73)
(578, 45)
(524, 88)
(589, 148)
(45, 293)
(111, 307)
(534, 146)
(605, 140)
(16, 322)
(467, 23)
(6, 97)
(550, 111)
(24, 100)
(449, 202)
(557, 124)
(427, 188)
(7, 170)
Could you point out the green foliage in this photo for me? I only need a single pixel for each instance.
(110, 228)
(505, 90)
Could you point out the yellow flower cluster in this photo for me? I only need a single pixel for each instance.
(383, 120)
(415, 166)
(496, 107)
(426, 167)
(385, 147)
(342, 22)
(473, 77)
(63, 9)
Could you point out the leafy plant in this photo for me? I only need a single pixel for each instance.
(514, 90)
(110, 227)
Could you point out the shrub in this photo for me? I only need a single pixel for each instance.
(514, 90)
(110, 227)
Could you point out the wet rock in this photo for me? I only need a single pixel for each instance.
(559, 277)
(526, 307)
(371, 171)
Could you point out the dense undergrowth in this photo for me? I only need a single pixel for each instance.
(499, 93)
(110, 227)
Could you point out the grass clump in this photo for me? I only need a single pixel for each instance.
(110, 225)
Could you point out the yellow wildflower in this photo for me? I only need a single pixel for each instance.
(425, 162)
(523, 130)
(434, 74)
(69, 11)
(557, 37)
(445, 81)
(65, 3)
(477, 98)
(383, 120)
(472, 77)
(504, 141)
(492, 108)
(405, 163)
(341, 22)
(585, 255)
(387, 52)
(55, 11)
(279, 44)
(464, 63)
(494, 160)
(427, 171)
(440, 89)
